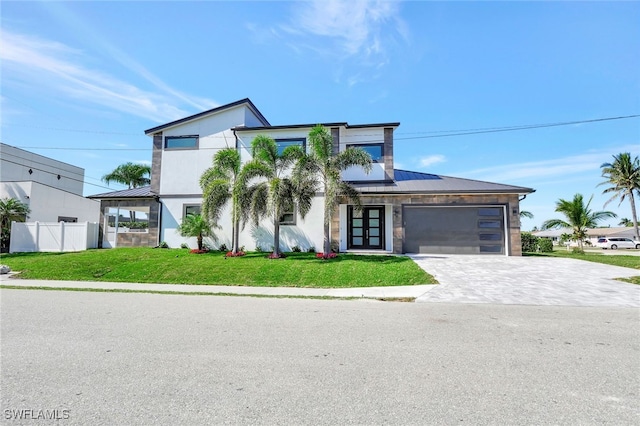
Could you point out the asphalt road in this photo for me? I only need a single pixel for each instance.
(146, 359)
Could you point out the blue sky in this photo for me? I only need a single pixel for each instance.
(81, 81)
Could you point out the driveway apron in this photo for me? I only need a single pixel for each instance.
(516, 280)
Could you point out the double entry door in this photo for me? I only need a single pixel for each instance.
(365, 228)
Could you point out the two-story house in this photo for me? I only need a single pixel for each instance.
(404, 211)
(52, 189)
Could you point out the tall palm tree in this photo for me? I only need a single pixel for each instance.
(220, 183)
(133, 175)
(194, 225)
(274, 192)
(325, 167)
(11, 210)
(578, 217)
(624, 177)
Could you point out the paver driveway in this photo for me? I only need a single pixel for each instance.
(527, 281)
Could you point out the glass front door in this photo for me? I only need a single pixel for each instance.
(366, 228)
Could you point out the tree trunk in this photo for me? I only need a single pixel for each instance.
(199, 239)
(327, 239)
(276, 236)
(634, 215)
(327, 228)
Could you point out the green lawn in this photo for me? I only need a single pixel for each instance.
(627, 261)
(178, 266)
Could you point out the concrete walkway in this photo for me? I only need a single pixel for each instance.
(366, 292)
(527, 281)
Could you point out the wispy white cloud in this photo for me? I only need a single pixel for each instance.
(540, 171)
(431, 160)
(58, 68)
(357, 30)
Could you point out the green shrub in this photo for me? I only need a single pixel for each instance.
(223, 248)
(184, 246)
(311, 249)
(577, 250)
(529, 242)
(296, 249)
(163, 245)
(545, 245)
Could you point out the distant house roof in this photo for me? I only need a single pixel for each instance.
(141, 192)
(246, 101)
(408, 182)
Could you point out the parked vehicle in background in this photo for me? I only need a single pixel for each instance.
(616, 243)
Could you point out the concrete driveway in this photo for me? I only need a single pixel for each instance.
(527, 281)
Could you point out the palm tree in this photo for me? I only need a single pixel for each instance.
(133, 175)
(625, 222)
(274, 193)
(624, 177)
(194, 225)
(220, 183)
(325, 167)
(11, 210)
(578, 217)
(524, 213)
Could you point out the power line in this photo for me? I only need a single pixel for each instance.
(56, 174)
(426, 134)
(515, 128)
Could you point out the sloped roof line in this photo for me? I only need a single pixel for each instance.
(247, 101)
(461, 179)
(336, 124)
(140, 192)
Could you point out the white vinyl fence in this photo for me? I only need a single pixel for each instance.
(53, 236)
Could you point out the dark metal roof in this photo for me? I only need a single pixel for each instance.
(299, 126)
(211, 111)
(141, 192)
(408, 182)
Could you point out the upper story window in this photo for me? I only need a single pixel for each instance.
(376, 150)
(284, 143)
(181, 142)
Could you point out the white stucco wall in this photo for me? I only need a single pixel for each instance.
(306, 233)
(362, 136)
(15, 164)
(47, 203)
(181, 168)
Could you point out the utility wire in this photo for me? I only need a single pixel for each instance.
(56, 174)
(426, 135)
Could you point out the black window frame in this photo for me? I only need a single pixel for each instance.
(288, 141)
(196, 146)
(362, 145)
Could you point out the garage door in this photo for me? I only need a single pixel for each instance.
(454, 230)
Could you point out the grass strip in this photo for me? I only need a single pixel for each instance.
(181, 293)
(178, 266)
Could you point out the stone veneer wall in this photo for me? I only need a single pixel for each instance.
(156, 163)
(398, 200)
(134, 239)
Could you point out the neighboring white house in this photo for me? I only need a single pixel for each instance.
(52, 189)
(593, 234)
(404, 211)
